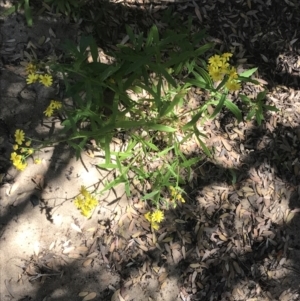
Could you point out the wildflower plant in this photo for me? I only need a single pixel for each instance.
(54, 105)
(35, 74)
(155, 218)
(85, 202)
(22, 150)
(159, 70)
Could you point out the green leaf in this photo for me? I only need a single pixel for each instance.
(130, 33)
(203, 49)
(160, 69)
(117, 181)
(152, 36)
(107, 148)
(169, 108)
(270, 108)
(160, 127)
(190, 162)
(108, 71)
(205, 75)
(219, 106)
(150, 195)
(248, 73)
(202, 144)
(248, 80)
(245, 98)
(28, 14)
(107, 166)
(233, 174)
(94, 50)
(197, 83)
(193, 121)
(165, 151)
(262, 95)
(234, 109)
(251, 114)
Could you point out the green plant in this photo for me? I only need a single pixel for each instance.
(256, 106)
(143, 94)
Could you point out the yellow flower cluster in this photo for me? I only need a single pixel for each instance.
(85, 202)
(155, 218)
(219, 67)
(21, 152)
(33, 77)
(54, 105)
(176, 195)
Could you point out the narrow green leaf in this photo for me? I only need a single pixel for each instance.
(262, 95)
(107, 166)
(107, 149)
(190, 162)
(94, 50)
(169, 108)
(234, 109)
(165, 151)
(160, 127)
(28, 14)
(193, 121)
(117, 181)
(150, 195)
(219, 106)
(202, 144)
(251, 114)
(270, 108)
(160, 69)
(245, 98)
(197, 83)
(248, 73)
(203, 49)
(130, 33)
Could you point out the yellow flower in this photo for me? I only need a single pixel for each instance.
(226, 56)
(180, 198)
(46, 80)
(30, 68)
(157, 216)
(20, 165)
(154, 225)
(85, 203)
(19, 136)
(48, 112)
(28, 143)
(13, 156)
(84, 191)
(216, 74)
(15, 147)
(32, 78)
(224, 68)
(37, 161)
(233, 85)
(232, 73)
(54, 104)
(78, 202)
(30, 151)
(148, 216)
(215, 60)
(85, 211)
